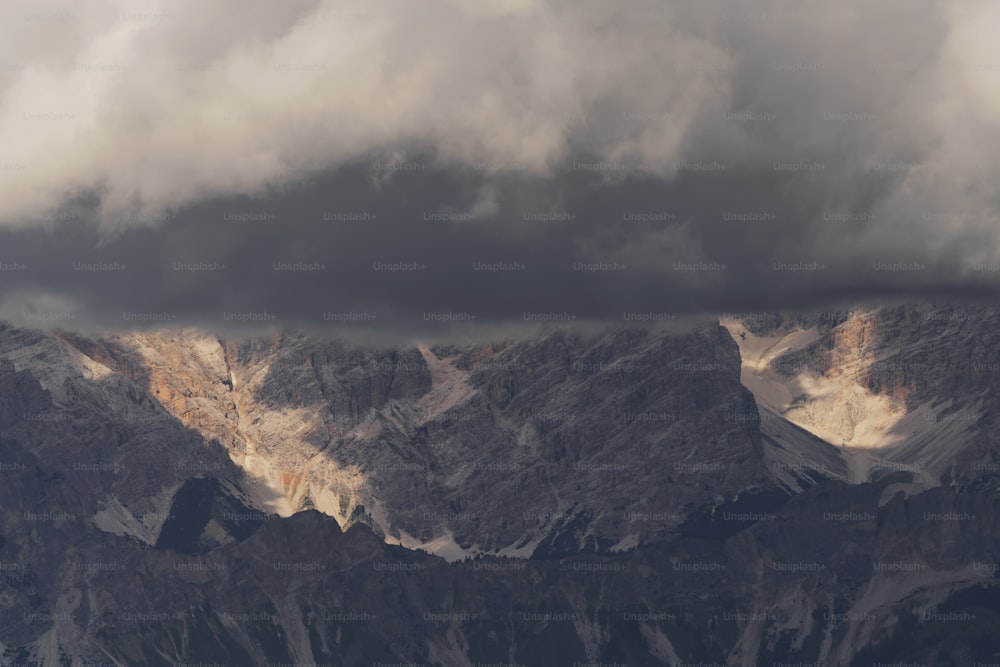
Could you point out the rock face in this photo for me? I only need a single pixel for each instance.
(902, 388)
(170, 497)
(831, 578)
(547, 444)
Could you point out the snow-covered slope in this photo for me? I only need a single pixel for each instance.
(830, 403)
(853, 381)
(796, 457)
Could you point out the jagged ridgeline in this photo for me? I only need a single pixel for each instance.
(814, 488)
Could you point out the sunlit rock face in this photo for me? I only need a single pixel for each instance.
(898, 388)
(562, 442)
(794, 489)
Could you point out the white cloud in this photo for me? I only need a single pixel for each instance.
(164, 105)
(161, 104)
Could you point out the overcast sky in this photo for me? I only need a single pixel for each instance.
(394, 164)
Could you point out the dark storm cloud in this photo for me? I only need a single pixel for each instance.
(408, 166)
(345, 255)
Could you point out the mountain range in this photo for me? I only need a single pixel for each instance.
(757, 488)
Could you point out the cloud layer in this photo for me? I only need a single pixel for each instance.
(630, 155)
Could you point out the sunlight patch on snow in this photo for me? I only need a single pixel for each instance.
(842, 412)
(836, 409)
(757, 352)
(874, 433)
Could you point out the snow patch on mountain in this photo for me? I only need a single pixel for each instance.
(450, 386)
(116, 519)
(834, 408)
(797, 458)
(443, 545)
(929, 437)
(876, 433)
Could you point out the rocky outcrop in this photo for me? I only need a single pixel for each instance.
(556, 442)
(833, 577)
(170, 497)
(903, 388)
